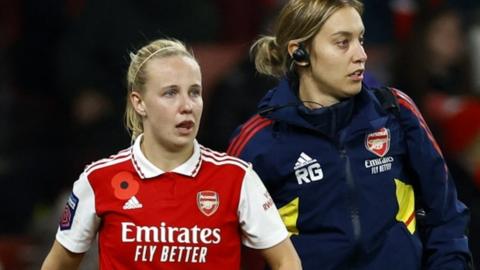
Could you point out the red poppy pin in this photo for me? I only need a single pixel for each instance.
(124, 185)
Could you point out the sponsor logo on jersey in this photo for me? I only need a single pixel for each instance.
(69, 212)
(178, 244)
(132, 203)
(307, 170)
(208, 202)
(268, 201)
(379, 165)
(378, 142)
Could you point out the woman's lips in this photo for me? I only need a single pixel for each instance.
(357, 75)
(185, 127)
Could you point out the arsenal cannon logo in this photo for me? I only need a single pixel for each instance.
(378, 142)
(207, 202)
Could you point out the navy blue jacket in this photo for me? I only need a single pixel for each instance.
(348, 179)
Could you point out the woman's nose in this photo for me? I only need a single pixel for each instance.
(186, 104)
(360, 54)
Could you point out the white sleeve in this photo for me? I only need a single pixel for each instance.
(260, 221)
(79, 223)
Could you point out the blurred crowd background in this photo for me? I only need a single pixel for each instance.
(62, 89)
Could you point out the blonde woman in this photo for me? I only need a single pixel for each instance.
(168, 202)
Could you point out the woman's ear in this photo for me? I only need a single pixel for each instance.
(138, 103)
(298, 53)
(292, 47)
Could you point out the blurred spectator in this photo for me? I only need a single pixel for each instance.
(434, 69)
(434, 58)
(456, 119)
(391, 23)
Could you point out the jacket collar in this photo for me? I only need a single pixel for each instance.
(283, 104)
(146, 169)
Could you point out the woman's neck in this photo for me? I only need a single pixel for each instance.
(309, 91)
(165, 158)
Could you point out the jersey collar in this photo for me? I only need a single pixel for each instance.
(146, 169)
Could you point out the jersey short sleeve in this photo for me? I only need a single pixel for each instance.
(260, 221)
(79, 223)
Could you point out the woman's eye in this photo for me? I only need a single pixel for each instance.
(195, 93)
(169, 93)
(342, 43)
(361, 40)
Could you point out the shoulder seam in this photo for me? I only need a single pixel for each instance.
(405, 101)
(114, 159)
(221, 158)
(248, 130)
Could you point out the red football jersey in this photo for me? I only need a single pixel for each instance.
(193, 217)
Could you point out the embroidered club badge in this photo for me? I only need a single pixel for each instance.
(208, 202)
(378, 142)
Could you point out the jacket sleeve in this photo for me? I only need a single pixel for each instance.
(245, 134)
(446, 218)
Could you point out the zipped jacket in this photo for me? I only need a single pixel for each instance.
(348, 180)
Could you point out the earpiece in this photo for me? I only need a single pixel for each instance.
(300, 55)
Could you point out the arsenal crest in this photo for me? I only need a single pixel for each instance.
(207, 202)
(378, 142)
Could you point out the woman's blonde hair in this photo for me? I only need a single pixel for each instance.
(299, 19)
(136, 75)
